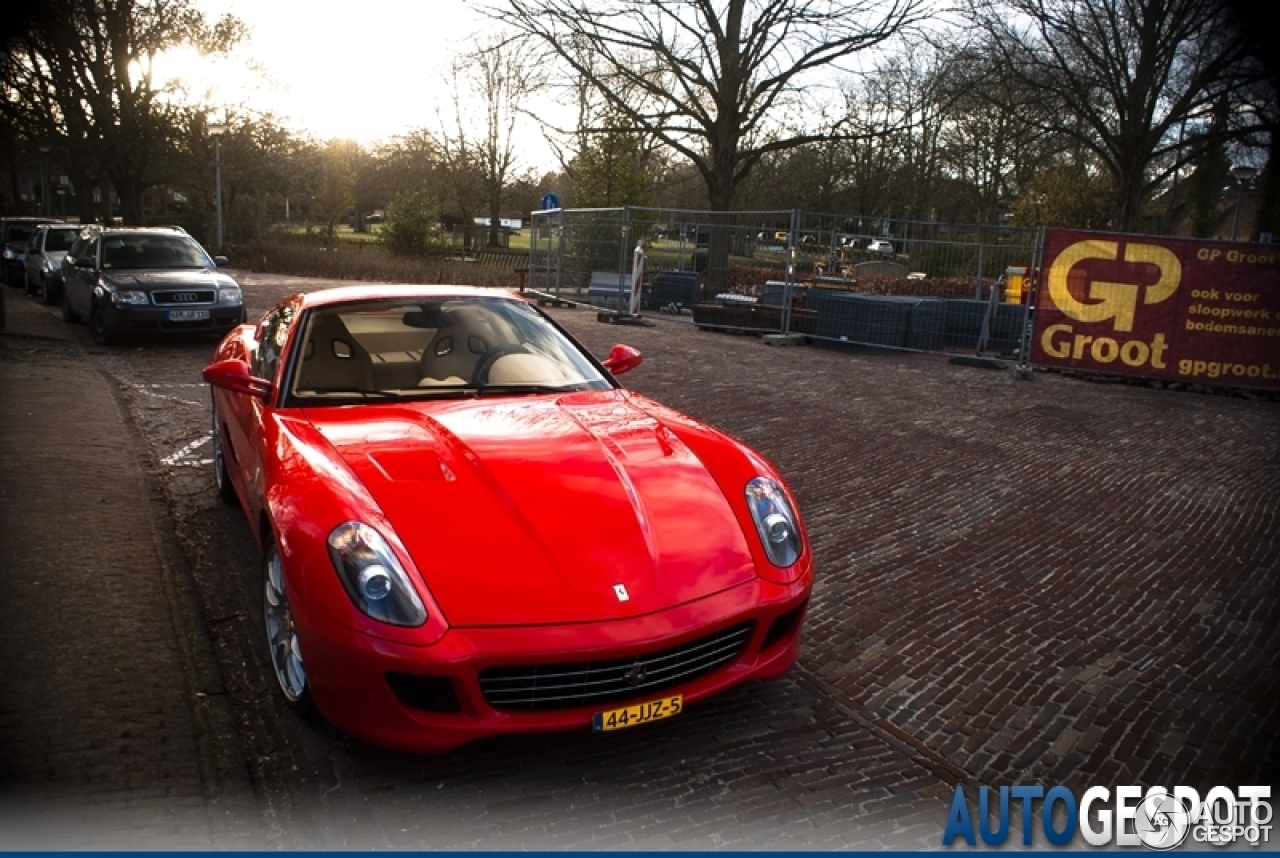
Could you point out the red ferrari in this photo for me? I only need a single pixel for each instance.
(468, 528)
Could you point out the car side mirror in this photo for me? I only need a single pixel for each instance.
(234, 375)
(84, 263)
(221, 261)
(622, 358)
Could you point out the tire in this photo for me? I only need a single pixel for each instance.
(226, 491)
(27, 287)
(282, 637)
(68, 314)
(47, 294)
(102, 334)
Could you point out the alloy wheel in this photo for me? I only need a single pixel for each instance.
(282, 635)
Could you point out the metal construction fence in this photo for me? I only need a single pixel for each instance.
(902, 284)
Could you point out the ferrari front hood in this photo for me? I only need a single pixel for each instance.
(544, 510)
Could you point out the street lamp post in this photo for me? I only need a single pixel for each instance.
(45, 148)
(217, 131)
(1242, 175)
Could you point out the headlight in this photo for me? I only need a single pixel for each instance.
(372, 576)
(48, 266)
(129, 297)
(229, 295)
(775, 521)
(9, 254)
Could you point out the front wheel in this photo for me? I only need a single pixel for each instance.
(226, 491)
(68, 314)
(102, 334)
(47, 293)
(27, 286)
(282, 634)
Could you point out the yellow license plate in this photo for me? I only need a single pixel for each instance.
(639, 713)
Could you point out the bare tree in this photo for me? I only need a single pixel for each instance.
(994, 142)
(714, 75)
(501, 83)
(611, 167)
(1120, 76)
(81, 80)
(609, 161)
(334, 195)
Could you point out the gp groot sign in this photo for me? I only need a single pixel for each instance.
(1205, 311)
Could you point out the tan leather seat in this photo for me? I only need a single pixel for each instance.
(525, 369)
(465, 334)
(333, 359)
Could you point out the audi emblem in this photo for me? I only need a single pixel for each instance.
(185, 297)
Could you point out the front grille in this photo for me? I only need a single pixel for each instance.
(182, 297)
(530, 688)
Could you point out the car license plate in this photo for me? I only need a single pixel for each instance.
(188, 315)
(640, 713)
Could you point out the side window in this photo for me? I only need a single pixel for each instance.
(274, 332)
(33, 246)
(89, 255)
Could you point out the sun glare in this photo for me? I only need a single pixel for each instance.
(367, 73)
(354, 72)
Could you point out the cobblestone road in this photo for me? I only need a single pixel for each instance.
(1041, 580)
(1047, 580)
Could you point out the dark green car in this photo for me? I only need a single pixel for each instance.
(128, 281)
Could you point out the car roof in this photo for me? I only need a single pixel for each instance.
(136, 230)
(356, 294)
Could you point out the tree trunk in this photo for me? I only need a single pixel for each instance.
(1129, 197)
(82, 183)
(495, 218)
(720, 196)
(130, 194)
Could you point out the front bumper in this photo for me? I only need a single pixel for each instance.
(348, 671)
(148, 319)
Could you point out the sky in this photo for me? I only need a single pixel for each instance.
(367, 70)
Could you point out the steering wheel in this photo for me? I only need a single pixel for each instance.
(481, 374)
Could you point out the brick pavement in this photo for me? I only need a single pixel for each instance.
(1049, 580)
(1019, 581)
(113, 729)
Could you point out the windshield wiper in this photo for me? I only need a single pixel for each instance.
(508, 389)
(356, 391)
(438, 392)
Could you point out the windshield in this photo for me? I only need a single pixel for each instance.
(59, 239)
(152, 251)
(450, 348)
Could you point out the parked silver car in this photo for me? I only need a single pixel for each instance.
(15, 232)
(43, 259)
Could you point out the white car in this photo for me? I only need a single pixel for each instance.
(879, 245)
(42, 262)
